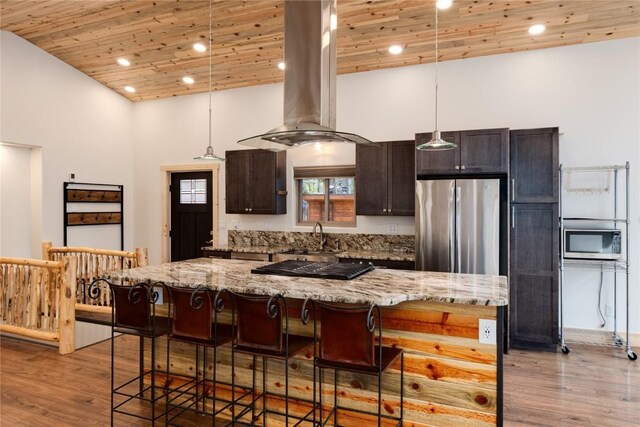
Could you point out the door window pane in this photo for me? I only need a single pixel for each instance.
(193, 191)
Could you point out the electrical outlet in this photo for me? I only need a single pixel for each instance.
(72, 177)
(487, 331)
(608, 310)
(158, 291)
(235, 224)
(393, 228)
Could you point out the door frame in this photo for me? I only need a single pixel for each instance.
(166, 171)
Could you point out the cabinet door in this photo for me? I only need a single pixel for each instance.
(446, 162)
(534, 276)
(484, 151)
(236, 171)
(534, 165)
(371, 179)
(401, 184)
(262, 188)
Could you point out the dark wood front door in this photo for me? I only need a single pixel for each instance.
(191, 213)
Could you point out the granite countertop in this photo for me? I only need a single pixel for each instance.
(249, 249)
(381, 286)
(379, 255)
(361, 254)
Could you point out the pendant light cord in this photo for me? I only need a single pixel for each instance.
(210, 2)
(436, 128)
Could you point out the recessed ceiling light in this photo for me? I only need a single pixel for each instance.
(130, 89)
(536, 29)
(124, 62)
(395, 49)
(281, 65)
(199, 47)
(444, 4)
(188, 80)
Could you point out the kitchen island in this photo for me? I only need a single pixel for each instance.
(450, 378)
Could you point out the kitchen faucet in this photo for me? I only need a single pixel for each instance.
(323, 240)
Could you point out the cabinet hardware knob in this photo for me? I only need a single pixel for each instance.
(389, 210)
(384, 209)
(463, 167)
(457, 167)
(250, 209)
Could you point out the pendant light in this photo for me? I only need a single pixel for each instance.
(436, 143)
(209, 154)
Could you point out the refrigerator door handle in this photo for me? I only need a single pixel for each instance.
(452, 229)
(513, 216)
(458, 243)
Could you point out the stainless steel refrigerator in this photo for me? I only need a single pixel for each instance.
(458, 225)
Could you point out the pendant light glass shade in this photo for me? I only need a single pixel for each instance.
(209, 154)
(436, 143)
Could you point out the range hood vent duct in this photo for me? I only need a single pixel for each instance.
(309, 79)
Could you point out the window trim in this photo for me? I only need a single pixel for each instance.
(299, 178)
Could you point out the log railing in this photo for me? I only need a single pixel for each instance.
(37, 299)
(92, 264)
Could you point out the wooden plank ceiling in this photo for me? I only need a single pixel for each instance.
(157, 36)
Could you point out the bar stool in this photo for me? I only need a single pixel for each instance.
(194, 320)
(262, 330)
(134, 314)
(347, 343)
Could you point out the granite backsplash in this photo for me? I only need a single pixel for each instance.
(335, 241)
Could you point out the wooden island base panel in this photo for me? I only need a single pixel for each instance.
(450, 378)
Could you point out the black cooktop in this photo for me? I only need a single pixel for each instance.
(321, 270)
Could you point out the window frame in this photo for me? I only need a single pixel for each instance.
(350, 224)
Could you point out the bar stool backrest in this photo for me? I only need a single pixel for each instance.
(132, 308)
(255, 328)
(345, 336)
(192, 313)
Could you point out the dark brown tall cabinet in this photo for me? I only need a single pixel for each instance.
(256, 182)
(534, 251)
(385, 179)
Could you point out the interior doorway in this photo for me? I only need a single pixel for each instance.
(190, 209)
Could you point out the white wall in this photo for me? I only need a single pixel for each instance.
(15, 209)
(591, 91)
(81, 125)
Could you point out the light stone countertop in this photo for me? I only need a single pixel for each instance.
(384, 287)
(378, 255)
(249, 249)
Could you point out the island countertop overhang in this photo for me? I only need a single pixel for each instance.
(383, 287)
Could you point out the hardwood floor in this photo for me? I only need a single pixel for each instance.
(589, 387)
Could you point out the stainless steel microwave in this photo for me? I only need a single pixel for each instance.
(589, 243)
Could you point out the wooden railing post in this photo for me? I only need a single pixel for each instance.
(45, 250)
(142, 257)
(67, 319)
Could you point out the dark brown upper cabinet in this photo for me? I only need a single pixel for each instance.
(534, 165)
(256, 182)
(445, 162)
(479, 151)
(385, 179)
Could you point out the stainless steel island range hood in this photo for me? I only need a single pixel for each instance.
(309, 79)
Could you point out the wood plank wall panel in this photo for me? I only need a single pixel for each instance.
(156, 36)
(450, 380)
